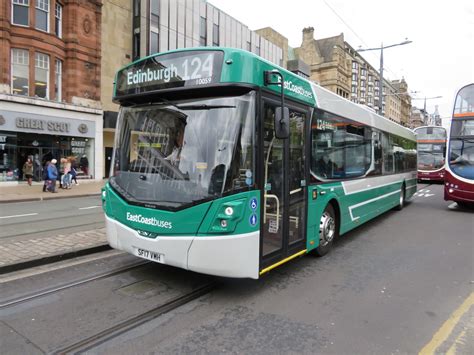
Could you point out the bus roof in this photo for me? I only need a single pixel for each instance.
(206, 66)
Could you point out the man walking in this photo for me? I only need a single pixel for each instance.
(52, 175)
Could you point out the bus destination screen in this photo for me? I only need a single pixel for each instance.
(193, 68)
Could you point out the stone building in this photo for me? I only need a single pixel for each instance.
(418, 118)
(50, 73)
(337, 66)
(116, 52)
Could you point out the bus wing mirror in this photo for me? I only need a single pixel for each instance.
(282, 122)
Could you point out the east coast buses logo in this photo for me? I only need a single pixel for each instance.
(297, 89)
(150, 221)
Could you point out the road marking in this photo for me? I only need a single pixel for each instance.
(19, 215)
(447, 328)
(88, 208)
(458, 341)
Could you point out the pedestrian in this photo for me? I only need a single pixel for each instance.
(74, 170)
(45, 175)
(28, 170)
(52, 176)
(84, 165)
(66, 178)
(62, 163)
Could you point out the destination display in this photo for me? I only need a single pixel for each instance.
(183, 69)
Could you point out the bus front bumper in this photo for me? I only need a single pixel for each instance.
(228, 256)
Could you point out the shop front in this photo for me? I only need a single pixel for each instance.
(42, 138)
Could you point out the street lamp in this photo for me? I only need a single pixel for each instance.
(381, 48)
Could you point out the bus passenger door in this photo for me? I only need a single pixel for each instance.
(284, 196)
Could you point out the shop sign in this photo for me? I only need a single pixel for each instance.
(42, 125)
(46, 124)
(78, 147)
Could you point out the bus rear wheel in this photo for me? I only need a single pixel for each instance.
(328, 230)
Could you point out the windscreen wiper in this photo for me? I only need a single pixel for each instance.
(203, 107)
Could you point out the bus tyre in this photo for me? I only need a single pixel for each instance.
(328, 230)
(401, 201)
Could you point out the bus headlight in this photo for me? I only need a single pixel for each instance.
(451, 191)
(229, 211)
(223, 223)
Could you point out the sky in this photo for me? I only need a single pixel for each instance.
(438, 62)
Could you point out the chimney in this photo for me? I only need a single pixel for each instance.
(308, 34)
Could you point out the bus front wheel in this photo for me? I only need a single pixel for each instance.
(401, 201)
(328, 230)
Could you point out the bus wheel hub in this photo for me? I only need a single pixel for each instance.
(327, 229)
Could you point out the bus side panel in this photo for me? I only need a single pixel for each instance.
(359, 200)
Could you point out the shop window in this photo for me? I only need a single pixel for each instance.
(58, 20)
(42, 15)
(58, 82)
(20, 71)
(42, 75)
(20, 12)
(8, 157)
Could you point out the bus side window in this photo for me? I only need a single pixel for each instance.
(377, 154)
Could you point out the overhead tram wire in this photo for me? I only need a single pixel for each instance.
(373, 55)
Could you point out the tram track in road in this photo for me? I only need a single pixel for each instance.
(32, 296)
(112, 332)
(17, 222)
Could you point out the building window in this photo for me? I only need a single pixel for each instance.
(249, 46)
(59, 75)
(154, 26)
(355, 65)
(136, 29)
(42, 15)
(363, 72)
(215, 35)
(20, 11)
(203, 32)
(354, 77)
(136, 45)
(354, 89)
(41, 75)
(20, 71)
(362, 83)
(58, 20)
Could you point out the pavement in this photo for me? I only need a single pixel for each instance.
(17, 253)
(24, 192)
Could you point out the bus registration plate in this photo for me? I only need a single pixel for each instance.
(150, 255)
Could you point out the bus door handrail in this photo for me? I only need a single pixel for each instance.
(266, 196)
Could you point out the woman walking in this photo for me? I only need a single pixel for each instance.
(28, 170)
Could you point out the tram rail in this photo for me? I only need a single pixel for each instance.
(112, 332)
(26, 298)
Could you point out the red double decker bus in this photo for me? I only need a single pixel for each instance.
(431, 151)
(459, 176)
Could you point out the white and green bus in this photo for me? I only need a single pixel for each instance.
(229, 165)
